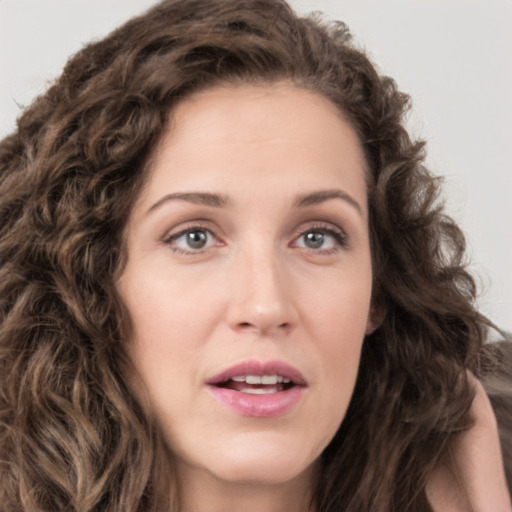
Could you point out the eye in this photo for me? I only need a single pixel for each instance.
(190, 240)
(321, 239)
(315, 239)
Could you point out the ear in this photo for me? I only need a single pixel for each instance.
(375, 318)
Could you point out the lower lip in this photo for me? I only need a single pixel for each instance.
(258, 406)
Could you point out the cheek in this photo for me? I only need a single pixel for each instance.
(171, 322)
(339, 346)
(166, 306)
(339, 310)
(166, 341)
(337, 321)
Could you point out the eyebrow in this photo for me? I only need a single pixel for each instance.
(321, 196)
(202, 198)
(222, 201)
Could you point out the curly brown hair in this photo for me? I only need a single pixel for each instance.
(72, 437)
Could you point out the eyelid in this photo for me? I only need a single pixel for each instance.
(340, 236)
(171, 235)
(335, 231)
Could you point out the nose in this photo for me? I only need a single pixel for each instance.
(261, 296)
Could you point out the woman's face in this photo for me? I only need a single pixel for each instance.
(249, 281)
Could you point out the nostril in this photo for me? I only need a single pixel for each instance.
(249, 325)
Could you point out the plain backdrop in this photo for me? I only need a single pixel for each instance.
(452, 56)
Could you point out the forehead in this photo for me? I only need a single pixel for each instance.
(266, 135)
(252, 112)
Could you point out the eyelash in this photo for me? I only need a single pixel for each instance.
(339, 236)
(172, 237)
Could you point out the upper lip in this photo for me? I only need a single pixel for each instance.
(254, 367)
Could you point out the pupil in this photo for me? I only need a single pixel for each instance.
(196, 239)
(314, 240)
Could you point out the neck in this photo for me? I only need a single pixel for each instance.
(206, 493)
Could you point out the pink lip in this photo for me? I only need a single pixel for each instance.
(260, 368)
(259, 406)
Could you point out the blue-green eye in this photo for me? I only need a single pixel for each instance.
(321, 239)
(192, 239)
(314, 239)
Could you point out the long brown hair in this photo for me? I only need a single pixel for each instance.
(72, 437)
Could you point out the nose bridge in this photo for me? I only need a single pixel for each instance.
(261, 295)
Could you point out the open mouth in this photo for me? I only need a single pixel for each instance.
(257, 384)
(259, 389)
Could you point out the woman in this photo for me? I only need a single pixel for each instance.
(227, 283)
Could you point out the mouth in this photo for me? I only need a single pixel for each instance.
(257, 384)
(258, 389)
(258, 378)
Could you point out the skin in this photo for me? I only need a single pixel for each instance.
(481, 485)
(256, 291)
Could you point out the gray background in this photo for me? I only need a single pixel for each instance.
(452, 56)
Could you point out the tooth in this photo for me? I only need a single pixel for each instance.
(253, 379)
(239, 378)
(286, 380)
(280, 378)
(259, 391)
(269, 379)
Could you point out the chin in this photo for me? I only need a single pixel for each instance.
(261, 474)
(265, 463)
